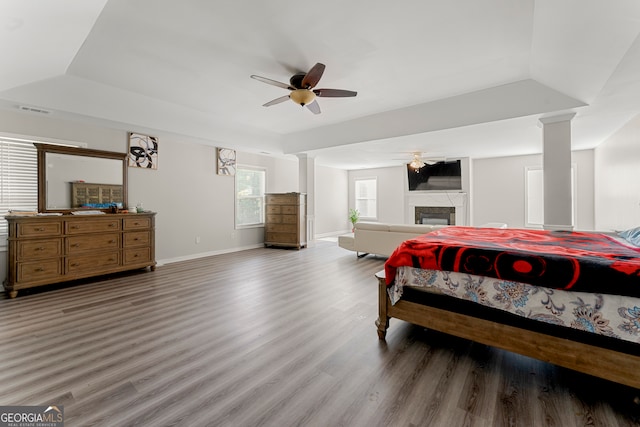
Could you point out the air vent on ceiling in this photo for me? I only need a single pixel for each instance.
(33, 109)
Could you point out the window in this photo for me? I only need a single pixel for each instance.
(366, 198)
(18, 178)
(534, 182)
(250, 185)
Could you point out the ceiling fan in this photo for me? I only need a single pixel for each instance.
(418, 161)
(302, 89)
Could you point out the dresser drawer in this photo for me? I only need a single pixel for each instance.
(289, 219)
(137, 238)
(273, 209)
(277, 237)
(136, 255)
(38, 229)
(281, 228)
(136, 223)
(94, 226)
(82, 244)
(289, 209)
(283, 199)
(93, 262)
(275, 219)
(35, 249)
(35, 271)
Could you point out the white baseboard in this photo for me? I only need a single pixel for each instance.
(206, 254)
(332, 234)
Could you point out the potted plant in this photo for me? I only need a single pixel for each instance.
(354, 216)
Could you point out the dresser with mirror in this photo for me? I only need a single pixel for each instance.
(82, 228)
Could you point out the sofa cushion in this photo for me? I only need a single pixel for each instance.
(373, 226)
(347, 241)
(383, 239)
(414, 228)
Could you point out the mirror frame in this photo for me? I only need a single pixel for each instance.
(43, 149)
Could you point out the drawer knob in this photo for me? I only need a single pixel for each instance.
(112, 225)
(112, 241)
(75, 245)
(74, 227)
(38, 269)
(136, 239)
(74, 264)
(39, 228)
(40, 248)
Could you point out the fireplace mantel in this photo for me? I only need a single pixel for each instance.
(436, 199)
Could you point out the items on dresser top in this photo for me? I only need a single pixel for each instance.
(87, 213)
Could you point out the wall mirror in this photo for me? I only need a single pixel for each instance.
(71, 178)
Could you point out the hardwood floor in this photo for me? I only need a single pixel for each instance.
(271, 337)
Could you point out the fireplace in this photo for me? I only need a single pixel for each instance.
(435, 215)
(442, 206)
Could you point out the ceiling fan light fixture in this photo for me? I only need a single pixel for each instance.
(416, 163)
(302, 96)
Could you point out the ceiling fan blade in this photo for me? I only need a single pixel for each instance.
(271, 82)
(334, 93)
(312, 78)
(314, 107)
(276, 101)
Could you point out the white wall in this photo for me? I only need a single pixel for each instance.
(190, 198)
(499, 189)
(331, 201)
(617, 184)
(392, 183)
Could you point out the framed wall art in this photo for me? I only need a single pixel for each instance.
(226, 161)
(143, 151)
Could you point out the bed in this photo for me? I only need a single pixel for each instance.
(568, 298)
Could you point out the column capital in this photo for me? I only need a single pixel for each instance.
(304, 156)
(556, 119)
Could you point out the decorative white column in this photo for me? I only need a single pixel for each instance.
(556, 135)
(307, 184)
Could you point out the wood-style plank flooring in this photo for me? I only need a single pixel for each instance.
(271, 337)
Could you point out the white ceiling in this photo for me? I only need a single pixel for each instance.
(457, 78)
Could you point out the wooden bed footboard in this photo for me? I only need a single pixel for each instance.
(601, 362)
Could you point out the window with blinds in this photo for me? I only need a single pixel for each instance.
(366, 195)
(18, 179)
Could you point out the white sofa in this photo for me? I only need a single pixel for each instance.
(381, 238)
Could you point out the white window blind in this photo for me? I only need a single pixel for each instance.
(18, 179)
(366, 197)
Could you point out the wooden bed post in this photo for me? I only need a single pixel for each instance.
(383, 320)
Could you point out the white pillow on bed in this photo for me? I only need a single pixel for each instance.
(631, 235)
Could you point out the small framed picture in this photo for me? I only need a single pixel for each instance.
(143, 151)
(226, 161)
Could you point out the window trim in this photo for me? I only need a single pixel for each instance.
(235, 196)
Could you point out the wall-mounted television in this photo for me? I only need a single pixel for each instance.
(440, 176)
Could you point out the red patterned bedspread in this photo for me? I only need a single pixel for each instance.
(585, 262)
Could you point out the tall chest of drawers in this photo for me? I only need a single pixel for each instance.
(286, 220)
(49, 249)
